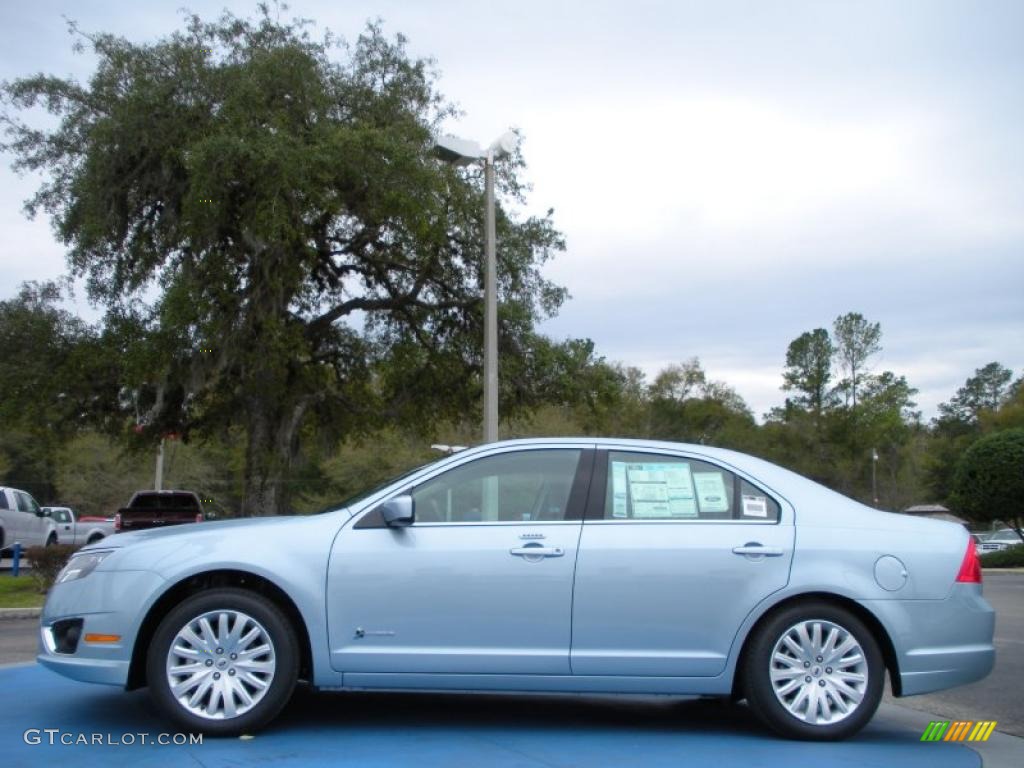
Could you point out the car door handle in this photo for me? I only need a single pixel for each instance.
(537, 552)
(757, 549)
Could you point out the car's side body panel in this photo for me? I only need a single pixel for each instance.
(461, 577)
(451, 598)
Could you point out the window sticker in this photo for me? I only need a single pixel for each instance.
(655, 490)
(711, 491)
(755, 506)
(619, 489)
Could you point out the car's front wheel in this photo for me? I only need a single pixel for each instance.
(814, 671)
(223, 662)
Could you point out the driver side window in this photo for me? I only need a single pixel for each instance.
(521, 486)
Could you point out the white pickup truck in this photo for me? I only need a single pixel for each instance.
(23, 520)
(78, 530)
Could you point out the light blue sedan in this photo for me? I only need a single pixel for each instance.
(570, 565)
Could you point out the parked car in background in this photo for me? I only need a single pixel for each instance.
(1000, 540)
(558, 566)
(23, 520)
(158, 509)
(76, 530)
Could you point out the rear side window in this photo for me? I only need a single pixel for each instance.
(3, 499)
(644, 486)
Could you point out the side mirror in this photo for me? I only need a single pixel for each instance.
(397, 512)
(42, 512)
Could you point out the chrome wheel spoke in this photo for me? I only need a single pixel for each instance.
(793, 646)
(221, 664)
(230, 710)
(789, 661)
(254, 653)
(786, 674)
(185, 652)
(188, 683)
(256, 682)
(818, 672)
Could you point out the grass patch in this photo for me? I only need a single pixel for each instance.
(21, 592)
(1007, 558)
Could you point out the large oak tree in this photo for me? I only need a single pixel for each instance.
(264, 206)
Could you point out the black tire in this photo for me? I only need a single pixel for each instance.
(281, 634)
(761, 695)
(94, 539)
(51, 540)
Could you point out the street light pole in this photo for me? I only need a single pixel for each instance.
(158, 480)
(490, 309)
(462, 152)
(874, 475)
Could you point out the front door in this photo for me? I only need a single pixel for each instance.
(675, 552)
(480, 583)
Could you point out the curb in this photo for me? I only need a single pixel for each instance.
(20, 613)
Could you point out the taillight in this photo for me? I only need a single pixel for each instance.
(117, 523)
(199, 517)
(970, 568)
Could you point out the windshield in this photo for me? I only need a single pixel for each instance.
(358, 497)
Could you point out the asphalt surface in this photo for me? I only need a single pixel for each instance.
(439, 730)
(18, 640)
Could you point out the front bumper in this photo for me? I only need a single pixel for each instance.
(940, 644)
(108, 603)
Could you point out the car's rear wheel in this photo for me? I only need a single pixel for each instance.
(223, 662)
(814, 671)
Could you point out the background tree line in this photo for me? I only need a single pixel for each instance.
(290, 284)
(67, 428)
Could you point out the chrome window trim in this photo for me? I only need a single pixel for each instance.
(504, 523)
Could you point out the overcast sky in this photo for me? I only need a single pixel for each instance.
(727, 174)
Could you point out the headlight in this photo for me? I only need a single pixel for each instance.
(81, 565)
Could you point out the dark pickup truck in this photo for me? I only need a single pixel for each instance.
(156, 509)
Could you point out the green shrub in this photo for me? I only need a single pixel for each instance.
(1006, 558)
(46, 563)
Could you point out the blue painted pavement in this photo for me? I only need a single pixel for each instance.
(475, 731)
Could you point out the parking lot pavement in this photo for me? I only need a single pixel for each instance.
(429, 730)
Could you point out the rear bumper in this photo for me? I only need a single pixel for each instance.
(939, 644)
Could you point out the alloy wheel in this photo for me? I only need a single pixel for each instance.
(819, 672)
(221, 664)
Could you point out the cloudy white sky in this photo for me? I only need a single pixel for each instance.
(727, 174)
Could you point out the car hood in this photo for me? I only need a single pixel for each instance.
(188, 531)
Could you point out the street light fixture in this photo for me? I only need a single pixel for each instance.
(462, 152)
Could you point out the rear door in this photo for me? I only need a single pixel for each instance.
(675, 552)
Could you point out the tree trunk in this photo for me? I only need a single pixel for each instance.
(272, 445)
